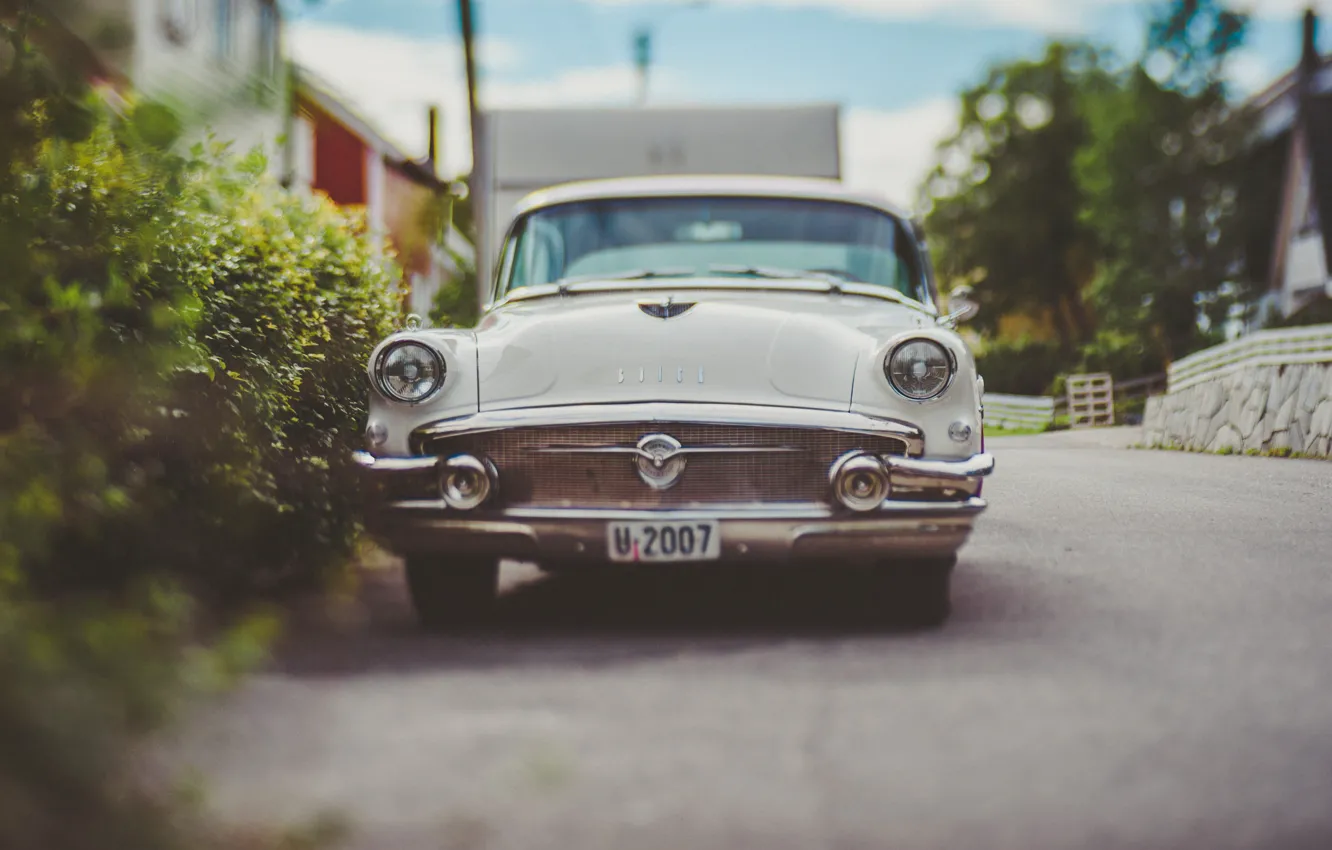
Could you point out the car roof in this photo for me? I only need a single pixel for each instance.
(687, 185)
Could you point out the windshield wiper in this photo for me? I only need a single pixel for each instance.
(836, 283)
(773, 273)
(629, 274)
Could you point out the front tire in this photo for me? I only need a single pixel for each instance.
(919, 592)
(452, 593)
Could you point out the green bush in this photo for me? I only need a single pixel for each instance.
(1027, 367)
(97, 304)
(1024, 367)
(80, 688)
(1125, 356)
(455, 303)
(294, 300)
(182, 350)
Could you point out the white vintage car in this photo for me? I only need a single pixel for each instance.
(685, 369)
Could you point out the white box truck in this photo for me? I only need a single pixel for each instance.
(520, 151)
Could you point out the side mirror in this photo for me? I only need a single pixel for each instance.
(961, 307)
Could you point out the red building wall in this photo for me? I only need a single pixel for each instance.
(339, 162)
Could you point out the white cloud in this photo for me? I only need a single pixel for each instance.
(1047, 15)
(391, 79)
(1054, 15)
(890, 152)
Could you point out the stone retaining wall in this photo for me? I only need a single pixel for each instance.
(1258, 408)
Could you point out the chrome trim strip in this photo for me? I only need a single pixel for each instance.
(683, 450)
(793, 511)
(758, 416)
(975, 466)
(395, 464)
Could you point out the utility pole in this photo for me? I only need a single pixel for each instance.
(643, 49)
(479, 201)
(643, 61)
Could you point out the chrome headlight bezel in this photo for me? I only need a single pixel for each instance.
(380, 379)
(950, 359)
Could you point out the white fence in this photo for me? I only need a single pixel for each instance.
(1018, 411)
(1282, 347)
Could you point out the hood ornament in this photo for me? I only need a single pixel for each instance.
(668, 309)
(659, 460)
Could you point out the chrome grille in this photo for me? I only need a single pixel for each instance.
(529, 476)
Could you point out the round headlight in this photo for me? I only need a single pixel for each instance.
(919, 369)
(410, 372)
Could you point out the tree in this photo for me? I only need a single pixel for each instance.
(1005, 196)
(1161, 174)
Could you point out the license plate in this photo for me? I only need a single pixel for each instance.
(696, 540)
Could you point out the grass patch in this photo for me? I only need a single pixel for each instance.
(1229, 451)
(992, 431)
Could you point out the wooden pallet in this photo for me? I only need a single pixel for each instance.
(1091, 400)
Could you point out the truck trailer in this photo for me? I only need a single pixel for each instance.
(521, 151)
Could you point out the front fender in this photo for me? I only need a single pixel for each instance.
(873, 395)
(458, 397)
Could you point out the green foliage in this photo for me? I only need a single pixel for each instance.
(1124, 355)
(1125, 201)
(1022, 367)
(296, 299)
(96, 310)
(455, 303)
(1164, 172)
(182, 349)
(463, 217)
(1032, 367)
(1005, 196)
(79, 690)
(185, 347)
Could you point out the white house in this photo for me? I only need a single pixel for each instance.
(1294, 125)
(217, 63)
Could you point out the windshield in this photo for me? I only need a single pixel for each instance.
(617, 237)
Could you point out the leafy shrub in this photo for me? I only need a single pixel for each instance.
(295, 299)
(1024, 367)
(184, 348)
(455, 303)
(79, 691)
(98, 301)
(1027, 367)
(181, 374)
(1125, 356)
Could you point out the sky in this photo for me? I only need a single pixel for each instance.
(894, 66)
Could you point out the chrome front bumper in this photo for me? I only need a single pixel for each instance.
(925, 525)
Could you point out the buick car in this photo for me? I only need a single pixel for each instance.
(685, 370)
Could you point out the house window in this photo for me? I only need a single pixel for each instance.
(268, 39)
(179, 20)
(225, 29)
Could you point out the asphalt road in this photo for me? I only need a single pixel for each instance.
(1140, 656)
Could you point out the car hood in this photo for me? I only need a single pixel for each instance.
(728, 346)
